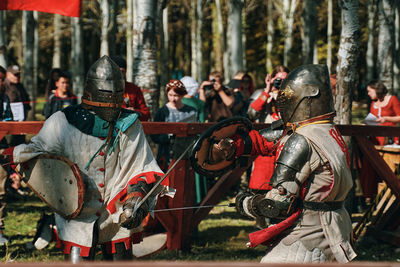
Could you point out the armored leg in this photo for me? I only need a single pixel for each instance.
(74, 255)
(121, 253)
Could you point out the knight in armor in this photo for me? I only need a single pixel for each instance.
(117, 165)
(311, 178)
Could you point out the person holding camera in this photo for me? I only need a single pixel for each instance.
(219, 99)
(263, 108)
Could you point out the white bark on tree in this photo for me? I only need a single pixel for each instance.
(217, 32)
(309, 33)
(385, 42)
(289, 6)
(129, 40)
(347, 61)
(235, 36)
(164, 46)
(221, 33)
(3, 50)
(35, 62)
(371, 5)
(28, 24)
(145, 54)
(105, 23)
(270, 36)
(329, 32)
(396, 65)
(193, 42)
(57, 41)
(77, 57)
(199, 40)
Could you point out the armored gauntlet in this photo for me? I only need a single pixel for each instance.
(133, 214)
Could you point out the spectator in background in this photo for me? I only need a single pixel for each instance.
(333, 83)
(51, 83)
(386, 108)
(5, 115)
(190, 99)
(218, 99)
(242, 95)
(173, 111)
(61, 98)
(19, 99)
(133, 97)
(264, 110)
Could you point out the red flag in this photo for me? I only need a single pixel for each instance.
(70, 8)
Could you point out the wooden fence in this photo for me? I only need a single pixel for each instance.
(180, 223)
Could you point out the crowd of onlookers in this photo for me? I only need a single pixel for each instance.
(188, 100)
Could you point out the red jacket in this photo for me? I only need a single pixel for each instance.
(133, 98)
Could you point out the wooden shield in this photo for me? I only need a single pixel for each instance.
(200, 154)
(57, 181)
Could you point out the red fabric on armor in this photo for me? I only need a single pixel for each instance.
(260, 146)
(264, 235)
(122, 194)
(262, 172)
(128, 241)
(259, 103)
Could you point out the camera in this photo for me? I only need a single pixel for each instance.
(211, 86)
(277, 83)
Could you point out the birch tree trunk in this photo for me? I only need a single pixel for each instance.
(396, 65)
(78, 71)
(347, 61)
(221, 33)
(105, 23)
(193, 41)
(217, 38)
(289, 6)
(235, 36)
(3, 50)
(385, 42)
(329, 35)
(270, 36)
(35, 61)
(164, 46)
(113, 28)
(199, 52)
(144, 47)
(129, 40)
(57, 41)
(371, 5)
(309, 30)
(28, 24)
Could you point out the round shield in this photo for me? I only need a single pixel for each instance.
(57, 181)
(200, 154)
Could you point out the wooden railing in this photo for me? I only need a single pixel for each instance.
(180, 224)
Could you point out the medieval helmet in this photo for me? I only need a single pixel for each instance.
(104, 89)
(306, 93)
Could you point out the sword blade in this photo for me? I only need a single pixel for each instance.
(194, 207)
(163, 178)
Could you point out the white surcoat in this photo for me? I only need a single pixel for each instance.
(106, 178)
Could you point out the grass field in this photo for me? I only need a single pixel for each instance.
(221, 237)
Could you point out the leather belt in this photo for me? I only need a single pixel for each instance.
(323, 206)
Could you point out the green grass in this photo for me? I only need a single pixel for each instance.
(221, 237)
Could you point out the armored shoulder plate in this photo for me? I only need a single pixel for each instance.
(271, 135)
(294, 155)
